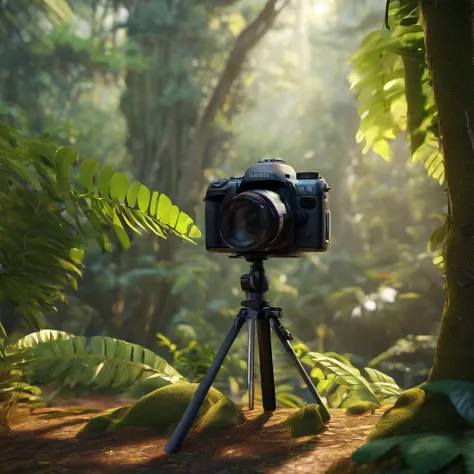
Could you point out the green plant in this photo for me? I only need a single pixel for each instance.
(393, 87)
(459, 392)
(100, 363)
(193, 359)
(50, 216)
(342, 385)
(411, 356)
(383, 76)
(422, 453)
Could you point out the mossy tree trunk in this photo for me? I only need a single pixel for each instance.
(449, 38)
(414, 70)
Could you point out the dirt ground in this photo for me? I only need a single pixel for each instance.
(45, 442)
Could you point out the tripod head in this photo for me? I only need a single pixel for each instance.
(255, 284)
(255, 281)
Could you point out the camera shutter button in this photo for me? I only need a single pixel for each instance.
(219, 182)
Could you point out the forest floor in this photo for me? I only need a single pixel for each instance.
(45, 441)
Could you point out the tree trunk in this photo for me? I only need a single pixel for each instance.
(414, 71)
(450, 54)
(192, 179)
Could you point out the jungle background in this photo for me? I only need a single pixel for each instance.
(135, 84)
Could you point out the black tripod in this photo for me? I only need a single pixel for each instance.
(254, 309)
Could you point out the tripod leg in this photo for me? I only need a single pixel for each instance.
(251, 363)
(266, 365)
(193, 408)
(284, 336)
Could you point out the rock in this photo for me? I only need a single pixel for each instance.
(360, 408)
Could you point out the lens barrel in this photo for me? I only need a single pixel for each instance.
(253, 220)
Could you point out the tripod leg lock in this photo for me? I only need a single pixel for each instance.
(281, 331)
(287, 334)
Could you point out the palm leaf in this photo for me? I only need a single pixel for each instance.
(36, 338)
(98, 362)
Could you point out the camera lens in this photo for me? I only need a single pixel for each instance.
(253, 220)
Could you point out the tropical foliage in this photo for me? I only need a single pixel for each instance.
(343, 385)
(103, 79)
(55, 357)
(50, 217)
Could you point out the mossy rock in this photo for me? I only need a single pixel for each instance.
(416, 412)
(223, 414)
(164, 407)
(306, 421)
(361, 408)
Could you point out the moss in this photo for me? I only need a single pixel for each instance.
(306, 421)
(417, 412)
(361, 408)
(224, 414)
(105, 421)
(164, 407)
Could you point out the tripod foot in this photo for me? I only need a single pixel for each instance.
(284, 336)
(191, 412)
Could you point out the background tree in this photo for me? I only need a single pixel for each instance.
(171, 109)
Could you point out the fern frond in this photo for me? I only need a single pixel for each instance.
(51, 209)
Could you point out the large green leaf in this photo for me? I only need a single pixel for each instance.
(422, 453)
(373, 450)
(87, 170)
(99, 362)
(105, 177)
(376, 376)
(383, 385)
(36, 338)
(429, 453)
(65, 157)
(459, 392)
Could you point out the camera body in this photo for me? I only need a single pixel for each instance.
(271, 211)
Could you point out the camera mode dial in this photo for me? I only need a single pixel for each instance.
(272, 160)
(219, 182)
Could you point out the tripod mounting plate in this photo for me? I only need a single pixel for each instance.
(250, 310)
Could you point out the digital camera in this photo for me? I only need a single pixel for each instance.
(271, 211)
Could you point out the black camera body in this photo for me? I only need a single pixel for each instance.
(271, 211)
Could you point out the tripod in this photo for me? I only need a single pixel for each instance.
(256, 312)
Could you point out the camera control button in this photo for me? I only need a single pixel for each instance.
(307, 175)
(300, 217)
(308, 202)
(217, 183)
